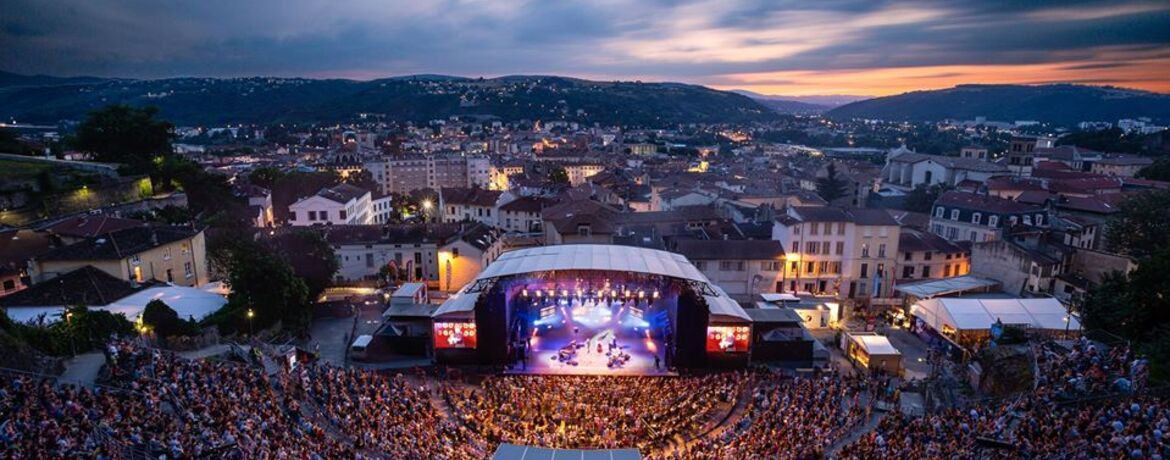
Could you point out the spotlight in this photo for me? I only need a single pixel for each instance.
(641, 294)
(524, 292)
(655, 293)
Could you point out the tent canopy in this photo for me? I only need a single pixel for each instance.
(876, 345)
(594, 257)
(187, 303)
(980, 314)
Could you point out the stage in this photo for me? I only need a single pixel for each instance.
(593, 338)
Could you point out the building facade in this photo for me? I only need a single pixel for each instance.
(961, 216)
(169, 254)
(340, 205)
(407, 174)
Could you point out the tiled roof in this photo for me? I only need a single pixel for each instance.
(731, 249)
(89, 226)
(970, 164)
(388, 234)
(343, 193)
(980, 202)
(917, 241)
(470, 196)
(121, 244)
(83, 286)
(529, 204)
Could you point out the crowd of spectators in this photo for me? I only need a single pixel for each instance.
(1033, 427)
(1087, 369)
(391, 416)
(158, 404)
(789, 417)
(595, 412)
(1082, 407)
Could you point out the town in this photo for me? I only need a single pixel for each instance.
(434, 267)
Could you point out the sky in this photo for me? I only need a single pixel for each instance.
(823, 47)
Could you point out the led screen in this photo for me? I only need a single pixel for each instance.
(727, 339)
(454, 335)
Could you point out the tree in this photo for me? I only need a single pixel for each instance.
(922, 198)
(1142, 227)
(265, 283)
(558, 175)
(1135, 306)
(310, 256)
(1160, 170)
(1105, 140)
(832, 186)
(363, 179)
(265, 177)
(127, 135)
(165, 322)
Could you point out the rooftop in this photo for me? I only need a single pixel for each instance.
(342, 193)
(122, 243)
(731, 249)
(980, 202)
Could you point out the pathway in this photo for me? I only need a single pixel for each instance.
(856, 433)
(83, 369)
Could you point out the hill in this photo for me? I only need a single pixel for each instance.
(11, 79)
(800, 104)
(1062, 104)
(203, 101)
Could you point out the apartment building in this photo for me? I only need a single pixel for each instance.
(343, 204)
(743, 268)
(848, 253)
(170, 254)
(445, 256)
(464, 204)
(928, 256)
(407, 174)
(579, 172)
(962, 216)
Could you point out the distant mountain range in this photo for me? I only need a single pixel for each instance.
(209, 101)
(800, 104)
(1061, 104)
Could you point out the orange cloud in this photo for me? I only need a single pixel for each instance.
(1148, 74)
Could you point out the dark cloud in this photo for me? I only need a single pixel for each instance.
(666, 39)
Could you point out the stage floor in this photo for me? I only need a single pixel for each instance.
(591, 326)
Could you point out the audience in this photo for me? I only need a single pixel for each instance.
(161, 405)
(593, 411)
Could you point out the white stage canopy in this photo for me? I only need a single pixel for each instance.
(599, 257)
(187, 302)
(980, 314)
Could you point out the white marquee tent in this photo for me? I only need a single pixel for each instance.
(187, 302)
(967, 314)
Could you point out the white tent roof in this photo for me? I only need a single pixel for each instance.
(187, 302)
(408, 290)
(594, 257)
(979, 314)
(876, 345)
(944, 286)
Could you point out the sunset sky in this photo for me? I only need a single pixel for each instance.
(772, 47)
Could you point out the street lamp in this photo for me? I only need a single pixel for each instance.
(251, 314)
(69, 323)
(427, 205)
